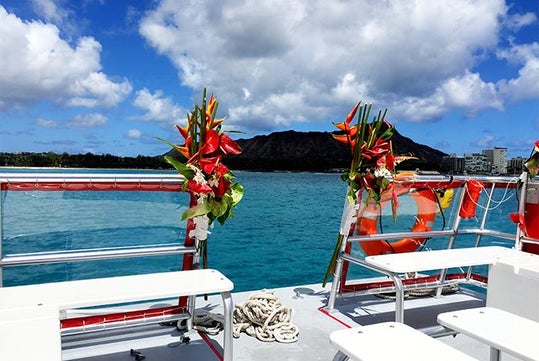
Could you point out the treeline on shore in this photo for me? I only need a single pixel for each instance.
(88, 160)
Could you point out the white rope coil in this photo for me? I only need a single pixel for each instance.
(263, 316)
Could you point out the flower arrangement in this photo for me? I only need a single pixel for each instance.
(208, 179)
(373, 162)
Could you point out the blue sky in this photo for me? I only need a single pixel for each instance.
(109, 76)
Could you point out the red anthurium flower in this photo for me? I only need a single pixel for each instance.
(208, 164)
(221, 169)
(537, 146)
(221, 188)
(228, 146)
(212, 142)
(199, 188)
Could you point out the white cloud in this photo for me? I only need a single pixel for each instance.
(47, 123)
(518, 21)
(37, 64)
(84, 121)
(49, 10)
(486, 142)
(312, 59)
(526, 85)
(134, 133)
(158, 108)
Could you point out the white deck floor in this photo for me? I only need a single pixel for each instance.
(315, 324)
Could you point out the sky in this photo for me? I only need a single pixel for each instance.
(111, 76)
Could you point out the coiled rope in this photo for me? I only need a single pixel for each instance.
(263, 316)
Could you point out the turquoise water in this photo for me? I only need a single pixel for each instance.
(282, 233)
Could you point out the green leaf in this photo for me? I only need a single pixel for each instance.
(219, 207)
(180, 167)
(236, 193)
(198, 210)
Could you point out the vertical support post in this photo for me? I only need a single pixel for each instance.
(227, 332)
(482, 225)
(348, 219)
(189, 258)
(456, 224)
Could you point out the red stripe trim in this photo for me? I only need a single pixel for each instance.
(121, 316)
(89, 186)
(333, 317)
(210, 345)
(409, 281)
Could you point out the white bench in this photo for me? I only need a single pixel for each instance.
(514, 286)
(391, 341)
(31, 333)
(30, 301)
(510, 323)
(501, 330)
(398, 263)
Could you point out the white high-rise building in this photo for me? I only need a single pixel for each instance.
(497, 157)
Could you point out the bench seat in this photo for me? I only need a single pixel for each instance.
(441, 259)
(391, 341)
(30, 301)
(398, 263)
(501, 330)
(114, 290)
(30, 333)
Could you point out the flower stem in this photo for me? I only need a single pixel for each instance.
(331, 266)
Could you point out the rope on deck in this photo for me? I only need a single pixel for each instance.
(263, 316)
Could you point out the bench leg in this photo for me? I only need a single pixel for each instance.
(227, 333)
(339, 356)
(494, 354)
(399, 299)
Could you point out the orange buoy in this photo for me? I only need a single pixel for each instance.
(473, 190)
(427, 206)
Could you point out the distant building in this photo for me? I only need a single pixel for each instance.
(452, 164)
(497, 157)
(515, 165)
(477, 163)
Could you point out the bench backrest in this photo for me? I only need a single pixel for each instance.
(513, 286)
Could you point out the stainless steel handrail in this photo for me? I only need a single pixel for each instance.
(91, 255)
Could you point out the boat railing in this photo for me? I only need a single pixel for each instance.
(89, 182)
(342, 288)
(113, 317)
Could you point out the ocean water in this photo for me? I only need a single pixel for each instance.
(282, 233)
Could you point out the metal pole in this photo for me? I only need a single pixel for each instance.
(443, 273)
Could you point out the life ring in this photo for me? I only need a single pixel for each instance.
(427, 206)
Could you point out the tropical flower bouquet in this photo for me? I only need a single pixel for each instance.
(373, 163)
(211, 185)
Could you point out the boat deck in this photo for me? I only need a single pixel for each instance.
(308, 302)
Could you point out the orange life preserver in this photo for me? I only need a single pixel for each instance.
(427, 206)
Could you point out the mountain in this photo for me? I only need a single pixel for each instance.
(318, 151)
